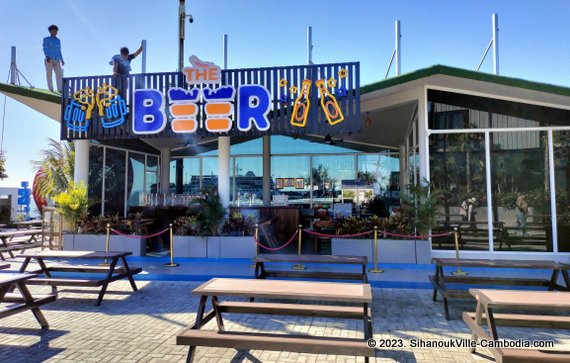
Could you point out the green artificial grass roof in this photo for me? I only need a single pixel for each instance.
(37, 93)
(468, 74)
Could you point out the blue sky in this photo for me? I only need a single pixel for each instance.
(533, 42)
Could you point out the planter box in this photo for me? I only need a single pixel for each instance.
(396, 251)
(213, 249)
(67, 242)
(236, 247)
(96, 242)
(190, 246)
(352, 247)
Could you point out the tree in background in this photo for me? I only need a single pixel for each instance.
(55, 168)
(3, 174)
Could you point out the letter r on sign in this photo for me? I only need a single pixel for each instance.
(254, 101)
(148, 112)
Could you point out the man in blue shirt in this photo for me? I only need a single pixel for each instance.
(54, 59)
(122, 67)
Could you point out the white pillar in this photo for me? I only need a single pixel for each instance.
(224, 170)
(423, 144)
(81, 171)
(165, 170)
(404, 179)
(266, 170)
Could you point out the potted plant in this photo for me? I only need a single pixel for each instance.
(187, 241)
(209, 216)
(73, 204)
(237, 240)
(354, 246)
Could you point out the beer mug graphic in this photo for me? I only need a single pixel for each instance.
(78, 113)
(111, 106)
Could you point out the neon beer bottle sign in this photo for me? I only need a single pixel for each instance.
(149, 105)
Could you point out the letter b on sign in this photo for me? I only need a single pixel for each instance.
(148, 112)
(254, 101)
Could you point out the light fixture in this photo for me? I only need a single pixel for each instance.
(328, 139)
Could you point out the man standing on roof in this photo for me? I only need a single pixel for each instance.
(122, 66)
(54, 59)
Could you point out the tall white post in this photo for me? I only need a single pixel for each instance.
(495, 43)
(224, 170)
(266, 170)
(143, 63)
(165, 170)
(398, 49)
(225, 50)
(404, 176)
(13, 67)
(423, 135)
(309, 45)
(181, 35)
(81, 171)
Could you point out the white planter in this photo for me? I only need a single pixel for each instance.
(96, 242)
(423, 252)
(190, 246)
(237, 247)
(396, 251)
(213, 250)
(67, 242)
(352, 247)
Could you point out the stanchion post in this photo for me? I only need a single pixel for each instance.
(107, 238)
(458, 272)
(256, 234)
(298, 266)
(375, 256)
(171, 264)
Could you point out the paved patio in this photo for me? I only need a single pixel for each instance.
(141, 327)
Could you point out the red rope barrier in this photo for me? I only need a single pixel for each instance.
(276, 248)
(136, 236)
(337, 235)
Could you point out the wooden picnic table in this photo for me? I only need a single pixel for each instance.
(263, 259)
(440, 281)
(358, 295)
(16, 303)
(4, 266)
(112, 272)
(27, 240)
(488, 301)
(28, 224)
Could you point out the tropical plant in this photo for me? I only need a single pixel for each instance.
(73, 204)
(420, 207)
(211, 212)
(239, 224)
(55, 168)
(3, 174)
(186, 226)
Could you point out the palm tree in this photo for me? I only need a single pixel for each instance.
(2, 165)
(55, 168)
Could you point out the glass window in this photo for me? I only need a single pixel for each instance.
(521, 192)
(135, 184)
(562, 179)
(191, 175)
(115, 182)
(152, 174)
(328, 174)
(457, 168)
(382, 170)
(209, 173)
(290, 176)
(95, 179)
(449, 110)
(247, 180)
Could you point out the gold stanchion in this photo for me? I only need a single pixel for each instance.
(458, 272)
(375, 257)
(107, 237)
(256, 239)
(171, 263)
(298, 266)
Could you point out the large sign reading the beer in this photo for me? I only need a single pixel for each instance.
(206, 100)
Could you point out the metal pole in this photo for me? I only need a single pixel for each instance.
(398, 50)
(181, 18)
(256, 234)
(171, 264)
(107, 237)
(13, 68)
(225, 50)
(143, 60)
(458, 272)
(495, 43)
(375, 256)
(309, 45)
(298, 266)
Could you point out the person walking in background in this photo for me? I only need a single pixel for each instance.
(54, 59)
(122, 67)
(521, 210)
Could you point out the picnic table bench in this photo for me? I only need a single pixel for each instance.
(359, 295)
(4, 266)
(28, 224)
(112, 272)
(490, 300)
(440, 281)
(11, 241)
(263, 259)
(23, 301)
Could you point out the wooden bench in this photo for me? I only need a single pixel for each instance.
(4, 266)
(111, 273)
(263, 259)
(12, 303)
(490, 300)
(440, 281)
(359, 294)
(25, 239)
